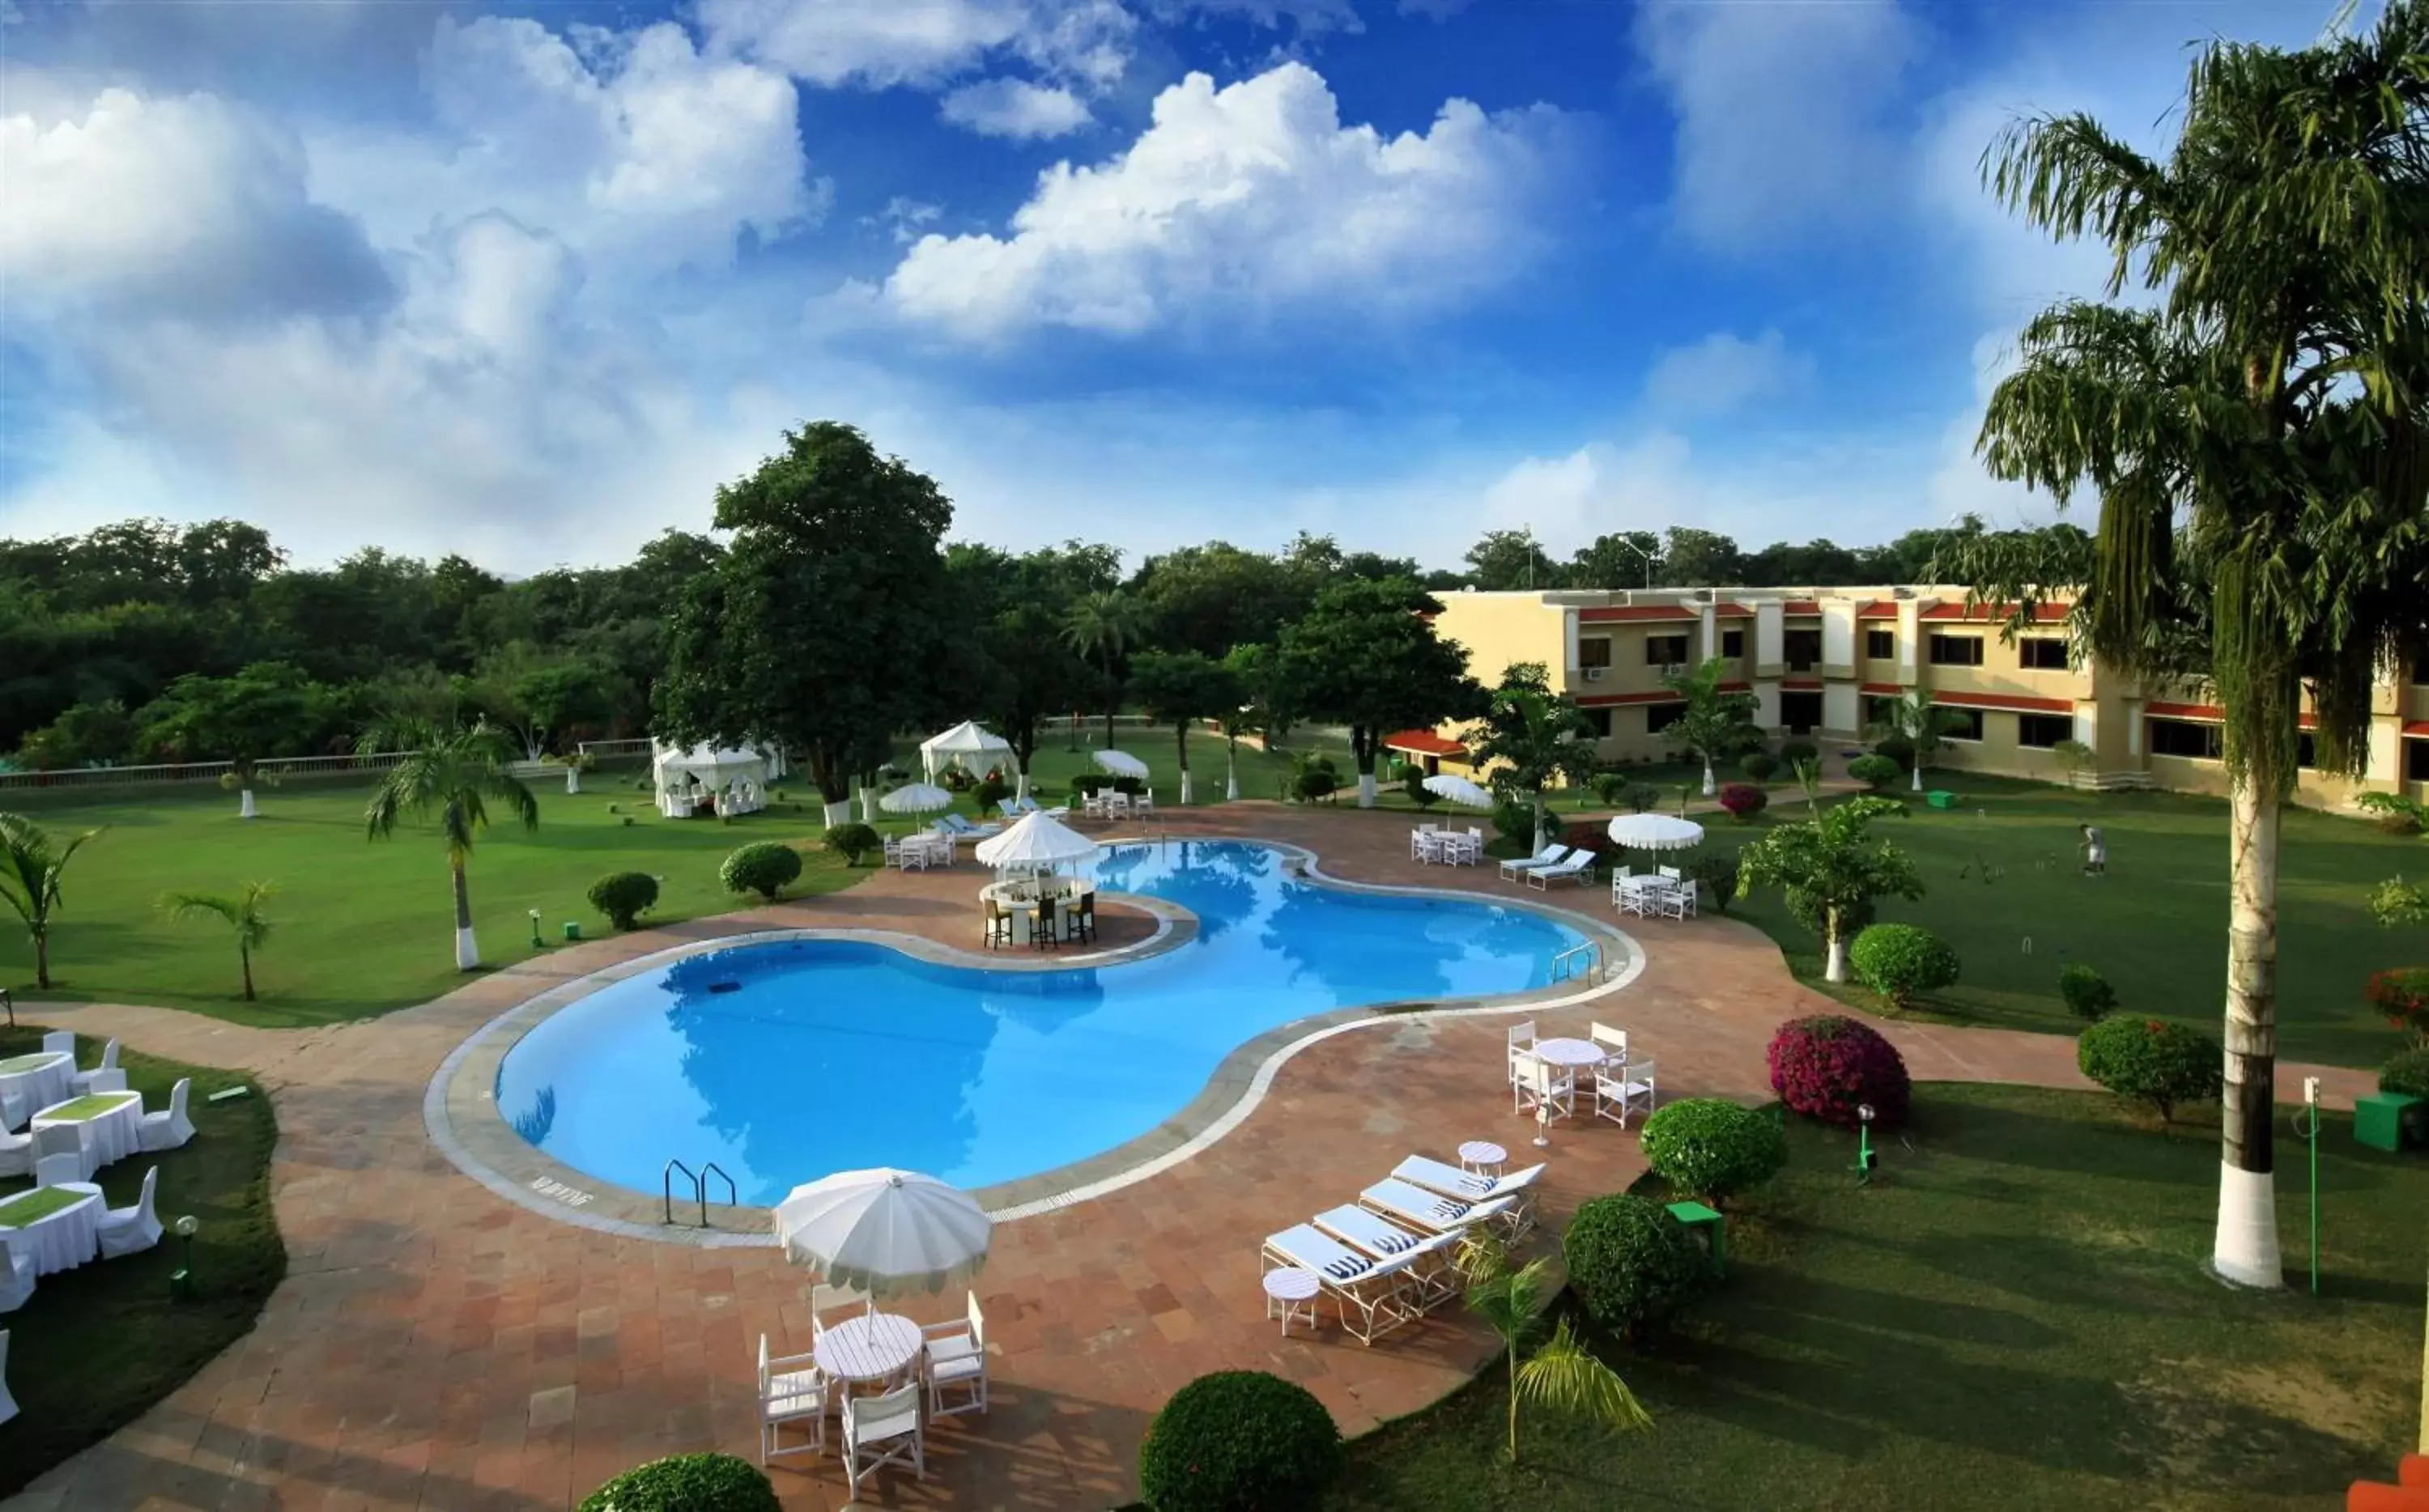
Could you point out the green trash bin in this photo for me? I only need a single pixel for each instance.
(572, 930)
(1939, 797)
(1699, 1218)
(2389, 1120)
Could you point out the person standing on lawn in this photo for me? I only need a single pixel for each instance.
(2095, 852)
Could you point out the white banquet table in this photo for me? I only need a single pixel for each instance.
(109, 1133)
(60, 1240)
(874, 1347)
(1019, 899)
(36, 1080)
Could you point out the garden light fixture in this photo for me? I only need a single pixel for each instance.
(181, 1281)
(536, 941)
(1864, 1155)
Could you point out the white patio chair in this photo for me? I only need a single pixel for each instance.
(792, 1389)
(170, 1127)
(109, 1062)
(16, 1274)
(956, 1353)
(1670, 874)
(1471, 847)
(1577, 866)
(132, 1230)
(1546, 857)
(1613, 1042)
(8, 1403)
(59, 1041)
(886, 1428)
(1621, 1088)
(107, 1081)
(1522, 1041)
(16, 1154)
(1539, 1085)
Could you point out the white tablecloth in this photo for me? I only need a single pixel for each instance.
(50, 1081)
(867, 1348)
(1570, 1054)
(110, 1135)
(64, 1240)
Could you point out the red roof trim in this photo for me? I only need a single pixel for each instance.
(2044, 613)
(1732, 611)
(2213, 714)
(1801, 606)
(1801, 684)
(1879, 609)
(1604, 700)
(2416, 727)
(1890, 689)
(2005, 701)
(1633, 611)
(1424, 743)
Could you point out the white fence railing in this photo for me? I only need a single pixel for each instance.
(274, 767)
(598, 750)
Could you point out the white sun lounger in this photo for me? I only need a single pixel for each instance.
(1547, 856)
(1370, 1293)
(1449, 1180)
(1431, 1259)
(1432, 1210)
(1578, 867)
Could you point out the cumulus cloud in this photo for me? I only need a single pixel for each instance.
(1724, 372)
(1780, 112)
(883, 43)
(1249, 194)
(1016, 109)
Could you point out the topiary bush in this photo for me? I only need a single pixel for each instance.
(1875, 772)
(687, 1483)
(2406, 1073)
(1414, 783)
(1897, 749)
(1514, 820)
(624, 896)
(1827, 1066)
(1719, 874)
(2086, 993)
(1758, 765)
(1631, 1265)
(1901, 962)
(854, 841)
(1314, 783)
(2150, 1060)
(1238, 1441)
(1743, 801)
(766, 868)
(992, 789)
(1797, 749)
(1713, 1148)
(1641, 797)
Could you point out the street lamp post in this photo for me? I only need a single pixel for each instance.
(1649, 557)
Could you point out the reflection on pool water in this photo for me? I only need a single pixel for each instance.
(785, 1061)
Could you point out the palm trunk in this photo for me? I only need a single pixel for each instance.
(1113, 696)
(1836, 943)
(1231, 772)
(244, 958)
(1708, 777)
(1181, 738)
(2246, 1248)
(43, 958)
(1918, 771)
(1514, 1402)
(468, 951)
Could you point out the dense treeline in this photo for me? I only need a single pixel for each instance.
(1685, 557)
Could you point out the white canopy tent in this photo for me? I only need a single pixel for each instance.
(1038, 843)
(735, 779)
(969, 745)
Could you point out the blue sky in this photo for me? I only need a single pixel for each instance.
(529, 281)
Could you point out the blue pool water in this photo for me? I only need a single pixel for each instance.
(783, 1062)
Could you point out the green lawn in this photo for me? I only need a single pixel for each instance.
(2011, 1316)
(100, 1343)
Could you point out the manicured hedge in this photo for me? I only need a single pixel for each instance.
(854, 841)
(687, 1483)
(1875, 772)
(1901, 962)
(2150, 1060)
(624, 896)
(1713, 1148)
(2406, 1073)
(766, 868)
(1827, 1066)
(1238, 1441)
(1631, 1265)
(2086, 993)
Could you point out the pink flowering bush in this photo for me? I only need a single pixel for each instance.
(1743, 801)
(1829, 1066)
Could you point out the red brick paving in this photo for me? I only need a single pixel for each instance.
(436, 1347)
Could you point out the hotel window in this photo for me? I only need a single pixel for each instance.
(1879, 710)
(1594, 650)
(2043, 730)
(2421, 673)
(2182, 737)
(1660, 716)
(1800, 711)
(1803, 649)
(2041, 653)
(1733, 643)
(1598, 720)
(2415, 760)
(1880, 645)
(1665, 651)
(1957, 651)
(1960, 723)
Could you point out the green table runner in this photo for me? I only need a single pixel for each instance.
(28, 1062)
(77, 1110)
(33, 1207)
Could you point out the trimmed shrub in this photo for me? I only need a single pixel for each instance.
(1514, 820)
(992, 789)
(624, 896)
(1829, 1066)
(1719, 874)
(2403, 995)
(1314, 783)
(687, 1483)
(1713, 1148)
(1901, 960)
(1641, 797)
(2150, 1060)
(1238, 1441)
(854, 841)
(1414, 783)
(1631, 1265)
(766, 868)
(2406, 1073)
(1607, 787)
(2088, 995)
(1875, 772)
(1758, 765)
(1897, 749)
(1797, 749)
(1743, 801)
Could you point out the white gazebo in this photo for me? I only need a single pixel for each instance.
(732, 780)
(970, 745)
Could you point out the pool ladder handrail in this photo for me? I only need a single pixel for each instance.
(1561, 964)
(699, 1188)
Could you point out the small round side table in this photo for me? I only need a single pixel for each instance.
(1482, 1156)
(1290, 1292)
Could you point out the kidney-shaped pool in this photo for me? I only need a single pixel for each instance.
(785, 1061)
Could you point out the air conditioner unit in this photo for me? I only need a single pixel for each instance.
(1594, 674)
(1672, 668)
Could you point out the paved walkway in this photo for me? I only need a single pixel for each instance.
(435, 1346)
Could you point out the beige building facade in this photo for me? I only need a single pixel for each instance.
(1822, 661)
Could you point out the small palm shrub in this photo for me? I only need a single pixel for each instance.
(687, 1483)
(1828, 1066)
(766, 868)
(1238, 1441)
(1713, 1148)
(1901, 962)
(2086, 993)
(854, 841)
(1743, 801)
(2152, 1061)
(2406, 1073)
(1758, 765)
(624, 896)
(1875, 772)
(1631, 1265)
(1314, 783)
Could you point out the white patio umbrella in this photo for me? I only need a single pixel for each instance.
(1122, 763)
(1039, 841)
(884, 1232)
(1459, 790)
(916, 797)
(1655, 832)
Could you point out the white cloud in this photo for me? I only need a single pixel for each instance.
(902, 217)
(1309, 16)
(1247, 195)
(1724, 372)
(1779, 111)
(883, 43)
(1016, 109)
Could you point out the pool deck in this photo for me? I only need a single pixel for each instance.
(436, 1345)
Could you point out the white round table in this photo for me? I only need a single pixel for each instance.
(1482, 1156)
(61, 1240)
(1570, 1053)
(867, 1348)
(111, 1134)
(1292, 1291)
(36, 1080)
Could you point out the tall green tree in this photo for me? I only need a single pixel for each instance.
(1367, 656)
(1503, 560)
(30, 865)
(1181, 688)
(1915, 719)
(268, 709)
(2258, 438)
(1625, 559)
(1832, 868)
(820, 628)
(240, 911)
(1106, 627)
(1252, 709)
(1530, 738)
(1025, 670)
(453, 771)
(1718, 721)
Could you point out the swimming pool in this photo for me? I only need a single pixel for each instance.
(785, 1061)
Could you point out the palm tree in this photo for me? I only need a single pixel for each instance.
(1562, 1374)
(2259, 442)
(1718, 722)
(1832, 870)
(453, 769)
(1531, 737)
(241, 912)
(1919, 723)
(1105, 625)
(29, 880)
